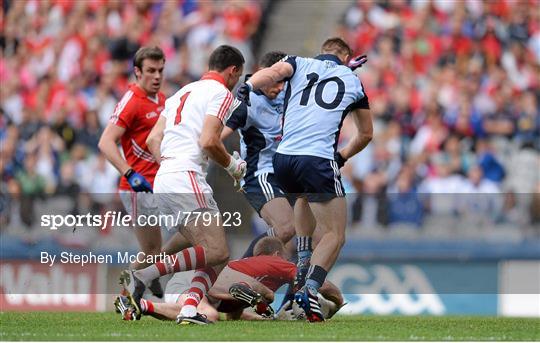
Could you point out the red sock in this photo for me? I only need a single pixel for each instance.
(187, 259)
(200, 284)
(147, 307)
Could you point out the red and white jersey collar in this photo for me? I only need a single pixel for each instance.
(213, 75)
(141, 93)
(137, 90)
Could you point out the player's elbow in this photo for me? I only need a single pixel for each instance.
(208, 143)
(366, 136)
(102, 144)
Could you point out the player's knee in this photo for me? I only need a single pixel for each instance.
(341, 240)
(213, 316)
(269, 297)
(285, 230)
(218, 256)
(338, 239)
(151, 249)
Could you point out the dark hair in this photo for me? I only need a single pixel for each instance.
(268, 246)
(225, 56)
(336, 45)
(271, 57)
(145, 53)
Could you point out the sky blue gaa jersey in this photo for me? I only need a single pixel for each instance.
(317, 98)
(260, 131)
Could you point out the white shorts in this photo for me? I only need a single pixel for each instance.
(180, 193)
(139, 203)
(178, 285)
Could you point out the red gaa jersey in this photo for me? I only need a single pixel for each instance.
(271, 271)
(137, 113)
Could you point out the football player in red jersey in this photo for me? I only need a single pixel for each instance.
(248, 282)
(130, 124)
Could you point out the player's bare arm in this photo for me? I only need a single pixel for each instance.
(268, 76)
(364, 124)
(153, 141)
(108, 145)
(227, 131)
(210, 141)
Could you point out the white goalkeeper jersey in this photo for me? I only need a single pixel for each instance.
(185, 113)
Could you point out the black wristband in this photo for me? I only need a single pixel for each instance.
(129, 173)
(340, 160)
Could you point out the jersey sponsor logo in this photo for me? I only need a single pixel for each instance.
(151, 115)
(380, 289)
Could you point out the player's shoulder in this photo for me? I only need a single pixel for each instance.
(213, 81)
(161, 97)
(211, 89)
(137, 92)
(128, 102)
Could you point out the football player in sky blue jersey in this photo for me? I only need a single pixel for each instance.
(320, 92)
(260, 131)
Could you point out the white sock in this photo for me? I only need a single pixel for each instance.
(188, 311)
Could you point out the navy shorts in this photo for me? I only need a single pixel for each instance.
(316, 178)
(261, 189)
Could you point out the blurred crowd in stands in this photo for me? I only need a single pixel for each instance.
(453, 88)
(65, 64)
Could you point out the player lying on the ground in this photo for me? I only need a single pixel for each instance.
(177, 242)
(249, 282)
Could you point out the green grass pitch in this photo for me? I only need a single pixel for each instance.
(108, 327)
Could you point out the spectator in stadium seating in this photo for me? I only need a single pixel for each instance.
(68, 186)
(452, 160)
(89, 134)
(431, 135)
(492, 169)
(477, 62)
(63, 128)
(528, 121)
(32, 186)
(405, 207)
(481, 204)
(29, 125)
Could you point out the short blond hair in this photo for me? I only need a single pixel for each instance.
(268, 246)
(336, 46)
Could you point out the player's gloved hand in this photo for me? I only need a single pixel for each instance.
(340, 160)
(237, 167)
(137, 182)
(265, 310)
(243, 91)
(357, 62)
